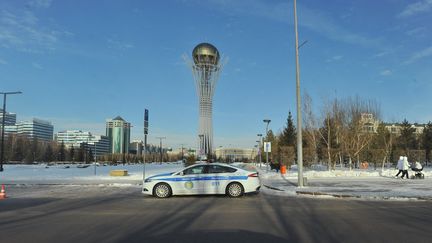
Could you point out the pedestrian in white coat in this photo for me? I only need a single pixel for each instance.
(399, 166)
(405, 167)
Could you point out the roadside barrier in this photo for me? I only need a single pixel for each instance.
(283, 169)
(2, 193)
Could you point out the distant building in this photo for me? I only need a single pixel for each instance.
(186, 152)
(10, 129)
(36, 128)
(10, 118)
(136, 147)
(395, 128)
(370, 124)
(118, 132)
(235, 154)
(99, 145)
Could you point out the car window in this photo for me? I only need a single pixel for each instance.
(194, 170)
(220, 169)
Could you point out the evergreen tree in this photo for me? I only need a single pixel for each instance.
(35, 149)
(407, 139)
(48, 153)
(427, 141)
(72, 153)
(90, 156)
(81, 153)
(19, 149)
(270, 137)
(288, 136)
(62, 152)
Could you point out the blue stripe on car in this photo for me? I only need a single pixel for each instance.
(202, 178)
(165, 174)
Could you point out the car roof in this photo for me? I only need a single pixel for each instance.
(217, 163)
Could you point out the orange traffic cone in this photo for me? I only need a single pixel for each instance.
(2, 192)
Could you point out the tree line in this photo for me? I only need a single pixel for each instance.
(22, 149)
(348, 131)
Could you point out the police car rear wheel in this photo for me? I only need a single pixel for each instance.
(235, 190)
(162, 190)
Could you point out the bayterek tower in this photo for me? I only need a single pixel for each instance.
(206, 67)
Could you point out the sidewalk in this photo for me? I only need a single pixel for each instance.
(378, 188)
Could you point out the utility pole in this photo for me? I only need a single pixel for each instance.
(3, 125)
(299, 117)
(182, 153)
(160, 140)
(259, 147)
(268, 122)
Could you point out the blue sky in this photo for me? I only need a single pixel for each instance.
(81, 62)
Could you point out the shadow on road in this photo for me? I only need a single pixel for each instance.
(216, 236)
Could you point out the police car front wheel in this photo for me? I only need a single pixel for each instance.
(162, 190)
(235, 190)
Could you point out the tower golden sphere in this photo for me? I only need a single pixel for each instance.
(205, 53)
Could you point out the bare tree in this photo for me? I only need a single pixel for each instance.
(310, 122)
(358, 128)
(330, 132)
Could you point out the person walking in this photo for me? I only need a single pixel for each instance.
(405, 167)
(399, 166)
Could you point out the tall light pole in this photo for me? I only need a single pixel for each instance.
(268, 122)
(259, 147)
(299, 117)
(160, 141)
(182, 153)
(146, 124)
(3, 125)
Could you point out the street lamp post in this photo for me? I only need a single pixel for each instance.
(3, 125)
(268, 122)
(94, 156)
(299, 118)
(258, 152)
(259, 147)
(182, 153)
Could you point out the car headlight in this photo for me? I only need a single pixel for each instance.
(147, 180)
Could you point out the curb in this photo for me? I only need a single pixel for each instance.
(317, 194)
(361, 197)
(274, 188)
(326, 194)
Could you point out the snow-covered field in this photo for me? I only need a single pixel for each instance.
(59, 174)
(342, 182)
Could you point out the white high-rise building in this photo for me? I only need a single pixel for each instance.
(36, 128)
(10, 118)
(97, 143)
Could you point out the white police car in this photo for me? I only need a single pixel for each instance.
(213, 178)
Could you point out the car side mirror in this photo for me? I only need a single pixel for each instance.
(181, 173)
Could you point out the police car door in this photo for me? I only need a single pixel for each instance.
(192, 180)
(215, 179)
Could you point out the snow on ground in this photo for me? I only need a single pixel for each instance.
(360, 183)
(342, 182)
(59, 174)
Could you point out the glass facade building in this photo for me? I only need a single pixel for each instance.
(99, 145)
(118, 132)
(10, 118)
(36, 128)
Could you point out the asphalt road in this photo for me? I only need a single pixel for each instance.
(124, 215)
